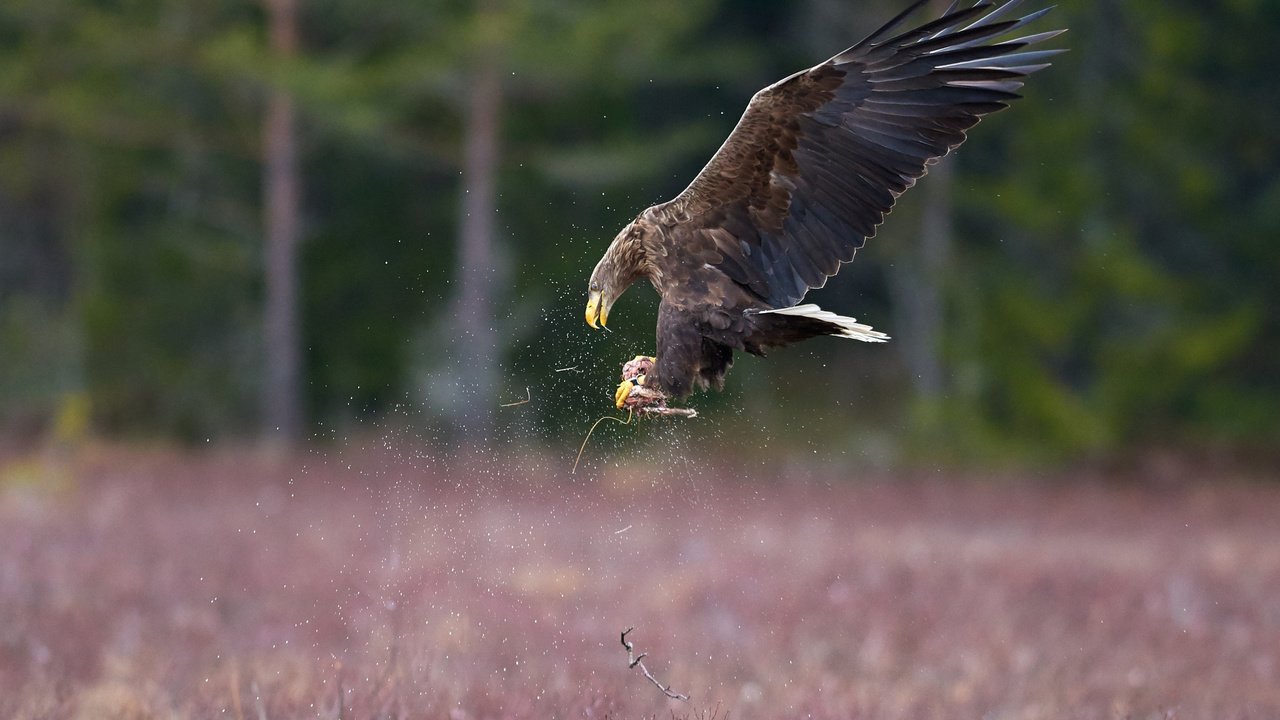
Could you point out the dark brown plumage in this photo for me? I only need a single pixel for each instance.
(811, 169)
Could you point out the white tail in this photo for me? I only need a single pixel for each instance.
(841, 326)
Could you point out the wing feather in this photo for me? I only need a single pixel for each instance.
(820, 157)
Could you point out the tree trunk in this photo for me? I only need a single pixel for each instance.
(477, 345)
(918, 283)
(282, 412)
(936, 238)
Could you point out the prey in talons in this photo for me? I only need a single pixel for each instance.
(634, 394)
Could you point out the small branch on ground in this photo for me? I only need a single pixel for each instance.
(634, 660)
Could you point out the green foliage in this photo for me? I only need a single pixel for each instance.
(1112, 293)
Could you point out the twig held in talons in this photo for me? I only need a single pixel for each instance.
(634, 661)
(664, 411)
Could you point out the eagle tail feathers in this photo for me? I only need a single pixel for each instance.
(839, 325)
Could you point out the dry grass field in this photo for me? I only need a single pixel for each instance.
(388, 584)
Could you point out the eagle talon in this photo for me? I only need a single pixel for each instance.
(623, 393)
(639, 397)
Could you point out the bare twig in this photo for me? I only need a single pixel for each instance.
(664, 411)
(620, 421)
(527, 397)
(575, 367)
(634, 660)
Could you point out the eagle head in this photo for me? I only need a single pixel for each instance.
(623, 263)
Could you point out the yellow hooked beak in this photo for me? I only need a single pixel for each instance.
(597, 311)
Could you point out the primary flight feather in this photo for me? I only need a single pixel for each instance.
(811, 169)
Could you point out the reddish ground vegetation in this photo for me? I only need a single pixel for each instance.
(391, 585)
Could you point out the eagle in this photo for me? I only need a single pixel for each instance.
(811, 169)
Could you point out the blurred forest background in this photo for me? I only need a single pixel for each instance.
(225, 219)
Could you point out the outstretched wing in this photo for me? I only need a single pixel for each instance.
(819, 158)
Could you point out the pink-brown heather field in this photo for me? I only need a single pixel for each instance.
(387, 584)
